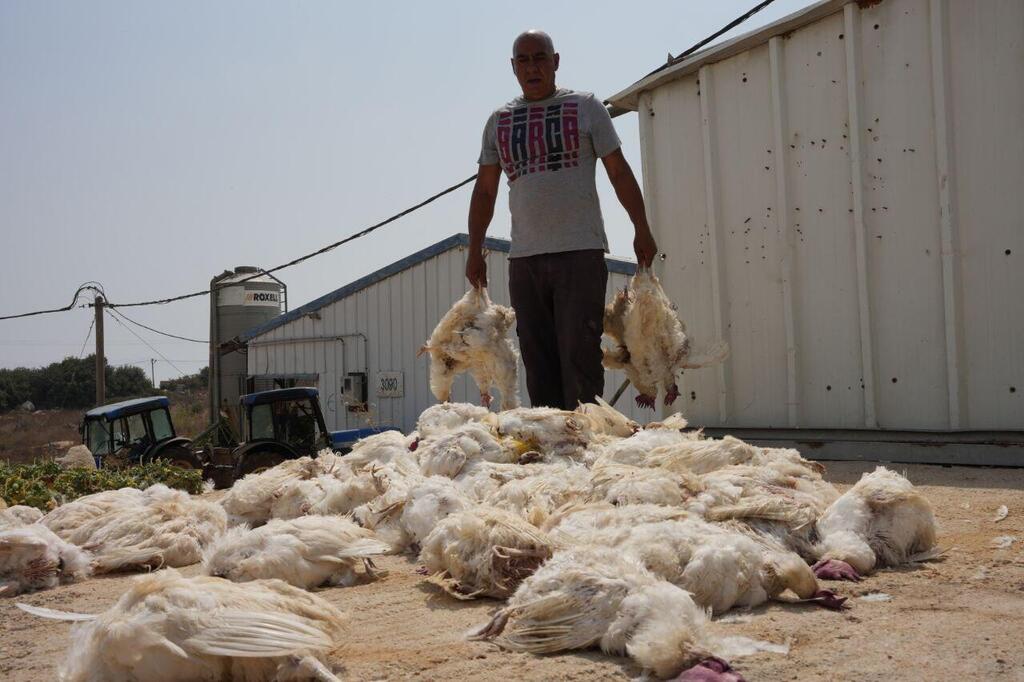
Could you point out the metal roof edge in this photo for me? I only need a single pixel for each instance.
(628, 99)
(456, 240)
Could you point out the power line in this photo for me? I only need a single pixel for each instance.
(157, 331)
(329, 247)
(87, 286)
(118, 320)
(672, 61)
(725, 29)
(87, 335)
(296, 261)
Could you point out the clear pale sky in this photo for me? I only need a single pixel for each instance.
(149, 146)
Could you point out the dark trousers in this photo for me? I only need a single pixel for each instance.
(559, 304)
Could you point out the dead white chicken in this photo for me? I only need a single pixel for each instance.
(764, 492)
(484, 479)
(535, 498)
(167, 628)
(323, 495)
(382, 514)
(326, 484)
(163, 527)
(482, 552)
(636, 448)
(66, 518)
(251, 498)
(387, 447)
(577, 520)
(448, 453)
(622, 484)
(651, 344)
(706, 455)
(427, 503)
(444, 417)
(32, 557)
(409, 506)
(305, 552)
(607, 420)
(586, 597)
(19, 514)
(720, 567)
(474, 336)
(550, 432)
(881, 521)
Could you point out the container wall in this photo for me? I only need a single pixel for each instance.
(382, 328)
(843, 205)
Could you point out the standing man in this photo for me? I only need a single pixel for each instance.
(547, 142)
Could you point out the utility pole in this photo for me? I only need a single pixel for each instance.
(101, 384)
(152, 371)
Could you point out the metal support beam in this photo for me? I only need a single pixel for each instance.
(851, 16)
(944, 161)
(785, 224)
(711, 184)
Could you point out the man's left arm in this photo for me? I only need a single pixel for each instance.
(628, 191)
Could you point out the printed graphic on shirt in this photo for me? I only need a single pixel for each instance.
(534, 139)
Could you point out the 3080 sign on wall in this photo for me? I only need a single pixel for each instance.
(390, 385)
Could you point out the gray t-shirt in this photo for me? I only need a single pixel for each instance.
(548, 150)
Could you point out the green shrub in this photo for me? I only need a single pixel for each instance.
(46, 485)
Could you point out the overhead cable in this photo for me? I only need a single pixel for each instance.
(88, 286)
(300, 259)
(148, 345)
(157, 331)
(672, 61)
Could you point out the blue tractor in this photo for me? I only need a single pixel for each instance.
(278, 425)
(136, 432)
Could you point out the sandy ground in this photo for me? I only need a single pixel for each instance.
(955, 619)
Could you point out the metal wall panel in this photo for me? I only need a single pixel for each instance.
(842, 202)
(382, 328)
(985, 64)
(675, 190)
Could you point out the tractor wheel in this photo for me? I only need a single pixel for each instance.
(180, 457)
(258, 462)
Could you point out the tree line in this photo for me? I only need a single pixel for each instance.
(69, 384)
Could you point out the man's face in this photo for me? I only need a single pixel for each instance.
(534, 66)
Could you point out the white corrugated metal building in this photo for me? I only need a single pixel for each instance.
(841, 198)
(374, 327)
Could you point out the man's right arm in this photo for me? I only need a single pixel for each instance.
(481, 210)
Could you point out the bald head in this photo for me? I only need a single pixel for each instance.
(534, 62)
(533, 35)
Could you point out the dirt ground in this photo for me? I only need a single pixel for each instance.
(28, 436)
(955, 619)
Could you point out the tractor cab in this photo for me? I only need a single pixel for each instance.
(136, 432)
(278, 425)
(283, 424)
(289, 415)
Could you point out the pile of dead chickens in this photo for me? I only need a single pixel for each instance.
(593, 530)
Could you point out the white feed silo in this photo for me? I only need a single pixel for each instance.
(239, 300)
